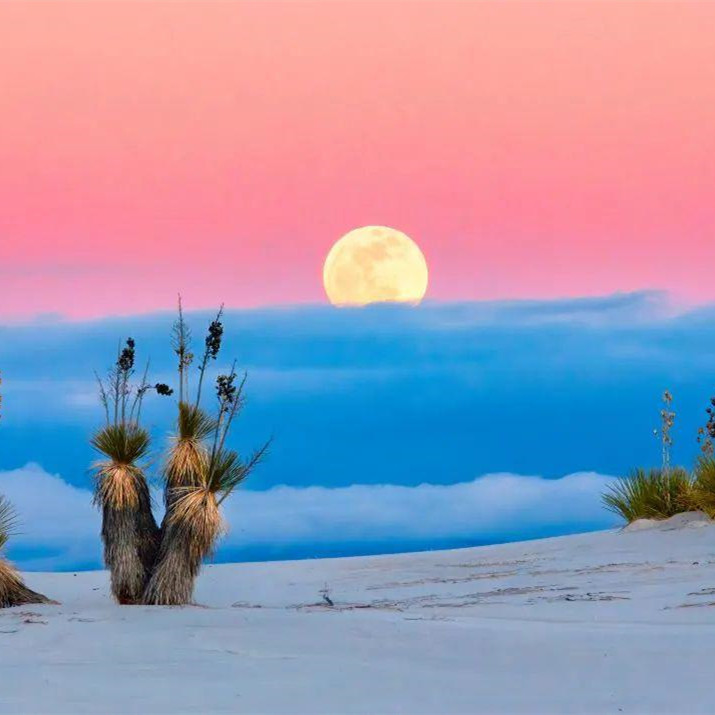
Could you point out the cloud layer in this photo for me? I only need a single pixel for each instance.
(389, 395)
(59, 528)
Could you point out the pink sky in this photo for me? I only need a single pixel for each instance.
(531, 149)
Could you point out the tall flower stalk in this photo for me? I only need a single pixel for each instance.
(667, 420)
(129, 531)
(181, 340)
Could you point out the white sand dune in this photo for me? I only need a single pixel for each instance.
(610, 622)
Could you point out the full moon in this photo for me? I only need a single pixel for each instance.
(375, 264)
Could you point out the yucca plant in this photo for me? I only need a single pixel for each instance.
(652, 494)
(129, 531)
(13, 591)
(200, 473)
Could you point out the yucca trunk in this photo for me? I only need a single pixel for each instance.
(13, 591)
(129, 531)
(189, 534)
(176, 564)
(130, 537)
(175, 572)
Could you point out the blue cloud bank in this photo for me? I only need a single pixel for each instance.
(412, 405)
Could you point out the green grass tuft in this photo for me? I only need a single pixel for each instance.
(652, 494)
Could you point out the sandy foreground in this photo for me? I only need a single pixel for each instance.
(609, 622)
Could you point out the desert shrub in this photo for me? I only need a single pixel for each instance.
(651, 494)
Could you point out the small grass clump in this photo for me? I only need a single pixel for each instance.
(652, 494)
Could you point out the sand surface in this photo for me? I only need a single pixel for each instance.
(610, 622)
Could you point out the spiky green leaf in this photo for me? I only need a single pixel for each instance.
(8, 519)
(194, 424)
(122, 443)
(228, 470)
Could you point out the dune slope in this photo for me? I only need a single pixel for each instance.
(607, 622)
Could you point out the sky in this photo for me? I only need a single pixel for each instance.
(533, 150)
(554, 161)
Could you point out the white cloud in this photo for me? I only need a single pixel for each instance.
(57, 525)
(60, 528)
(493, 506)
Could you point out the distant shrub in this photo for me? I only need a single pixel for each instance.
(653, 494)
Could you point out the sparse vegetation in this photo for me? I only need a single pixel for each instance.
(662, 493)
